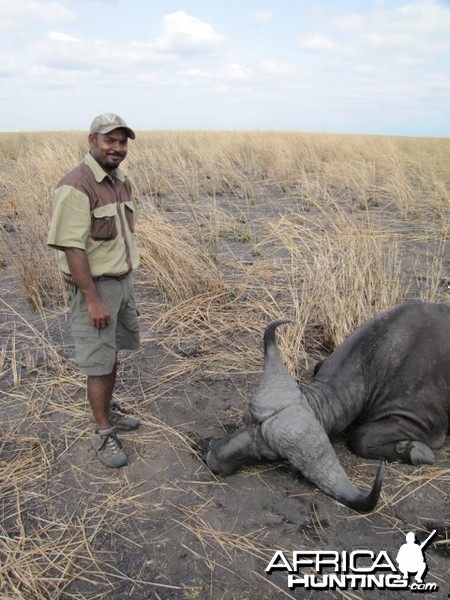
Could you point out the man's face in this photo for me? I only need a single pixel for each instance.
(109, 149)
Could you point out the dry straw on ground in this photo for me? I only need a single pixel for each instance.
(235, 229)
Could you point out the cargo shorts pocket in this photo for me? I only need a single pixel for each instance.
(94, 353)
(85, 335)
(104, 223)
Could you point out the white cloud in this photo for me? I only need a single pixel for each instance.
(439, 83)
(13, 13)
(262, 16)
(419, 26)
(8, 64)
(350, 22)
(424, 17)
(198, 73)
(49, 77)
(317, 41)
(273, 67)
(236, 71)
(65, 52)
(61, 37)
(185, 33)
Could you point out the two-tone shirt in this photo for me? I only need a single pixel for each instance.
(95, 213)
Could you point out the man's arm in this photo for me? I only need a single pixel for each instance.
(81, 274)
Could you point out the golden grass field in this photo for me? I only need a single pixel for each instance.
(235, 229)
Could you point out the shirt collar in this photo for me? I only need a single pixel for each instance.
(99, 173)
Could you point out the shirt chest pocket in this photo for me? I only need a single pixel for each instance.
(129, 214)
(104, 223)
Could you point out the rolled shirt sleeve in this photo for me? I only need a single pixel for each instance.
(71, 223)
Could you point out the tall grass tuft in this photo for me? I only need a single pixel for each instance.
(175, 261)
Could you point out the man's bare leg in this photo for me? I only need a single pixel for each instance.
(108, 448)
(99, 392)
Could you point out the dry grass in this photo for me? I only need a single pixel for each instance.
(174, 260)
(235, 229)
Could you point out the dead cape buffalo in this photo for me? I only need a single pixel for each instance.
(389, 380)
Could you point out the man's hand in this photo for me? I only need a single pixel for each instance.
(98, 312)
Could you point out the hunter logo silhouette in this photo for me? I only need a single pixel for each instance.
(410, 557)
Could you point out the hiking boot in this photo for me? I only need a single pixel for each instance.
(108, 448)
(120, 419)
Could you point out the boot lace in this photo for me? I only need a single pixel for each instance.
(111, 443)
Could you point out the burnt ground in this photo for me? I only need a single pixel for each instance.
(165, 527)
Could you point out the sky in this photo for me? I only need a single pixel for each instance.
(334, 66)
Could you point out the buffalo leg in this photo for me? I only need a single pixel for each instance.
(383, 441)
(243, 447)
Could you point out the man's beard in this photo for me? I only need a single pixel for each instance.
(112, 161)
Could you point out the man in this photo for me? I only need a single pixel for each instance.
(410, 558)
(93, 230)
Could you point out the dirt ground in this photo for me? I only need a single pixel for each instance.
(165, 527)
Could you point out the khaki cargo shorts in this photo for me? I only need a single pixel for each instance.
(96, 349)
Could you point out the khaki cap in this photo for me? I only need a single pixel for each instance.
(107, 122)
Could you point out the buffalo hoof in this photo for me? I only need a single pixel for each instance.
(202, 447)
(415, 453)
